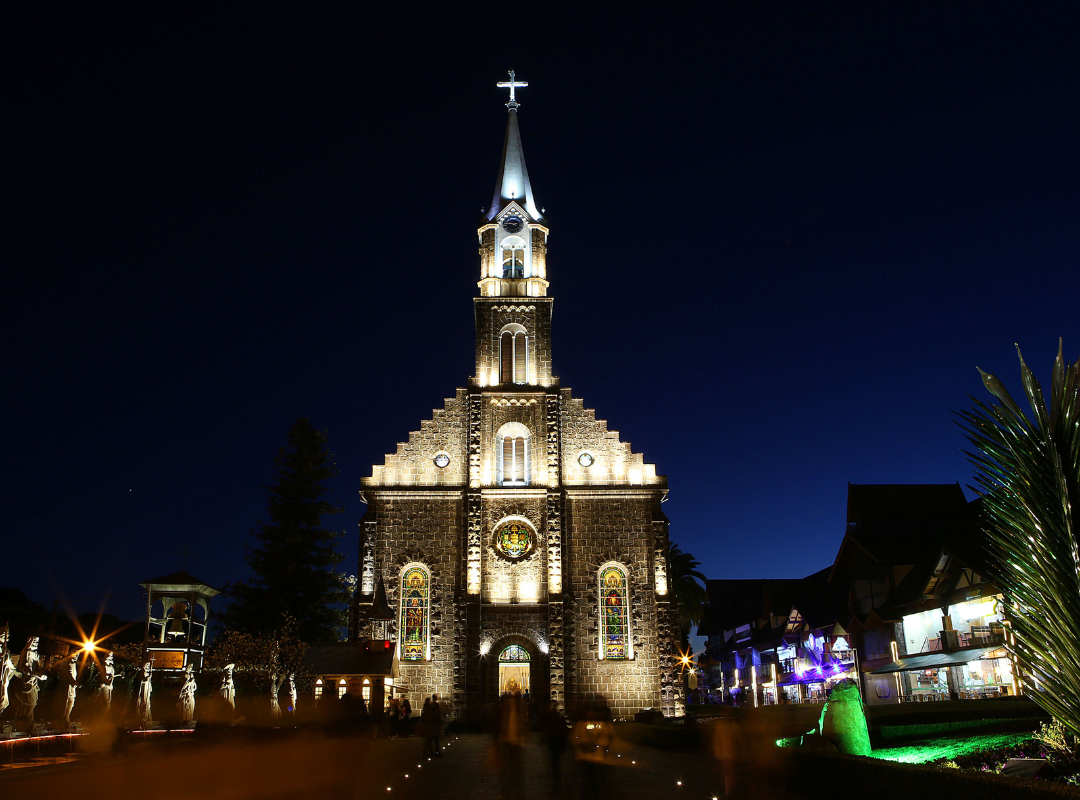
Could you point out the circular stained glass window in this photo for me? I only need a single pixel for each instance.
(585, 459)
(514, 540)
(442, 460)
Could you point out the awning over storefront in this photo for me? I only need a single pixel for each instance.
(935, 660)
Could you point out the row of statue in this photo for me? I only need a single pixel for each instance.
(20, 680)
(186, 701)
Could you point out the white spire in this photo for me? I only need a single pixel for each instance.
(513, 181)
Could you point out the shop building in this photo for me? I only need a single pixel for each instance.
(905, 609)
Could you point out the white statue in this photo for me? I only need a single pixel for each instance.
(108, 674)
(228, 688)
(7, 666)
(275, 687)
(292, 693)
(142, 699)
(69, 680)
(24, 689)
(186, 704)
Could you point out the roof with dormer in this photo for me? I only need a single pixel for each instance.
(512, 183)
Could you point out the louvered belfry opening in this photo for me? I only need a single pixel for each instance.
(520, 364)
(513, 358)
(513, 459)
(506, 355)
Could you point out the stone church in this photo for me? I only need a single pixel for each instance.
(514, 541)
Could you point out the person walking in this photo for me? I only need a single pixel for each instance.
(557, 734)
(425, 727)
(593, 737)
(436, 726)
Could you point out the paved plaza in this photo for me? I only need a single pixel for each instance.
(321, 767)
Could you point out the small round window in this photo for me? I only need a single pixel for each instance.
(514, 540)
(442, 460)
(586, 459)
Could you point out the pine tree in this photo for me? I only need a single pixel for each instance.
(294, 556)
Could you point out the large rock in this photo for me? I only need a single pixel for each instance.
(843, 722)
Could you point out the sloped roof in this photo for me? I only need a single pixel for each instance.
(876, 502)
(898, 524)
(379, 608)
(735, 602)
(182, 581)
(731, 603)
(348, 658)
(820, 602)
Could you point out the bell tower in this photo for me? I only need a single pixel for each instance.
(513, 312)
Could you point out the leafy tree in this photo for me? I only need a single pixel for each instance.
(1029, 477)
(294, 556)
(266, 659)
(683, 577)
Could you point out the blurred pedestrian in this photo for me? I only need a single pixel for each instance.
(512, 735)
(425, 727)
(436, 726)
(557, 733)
(593, 736)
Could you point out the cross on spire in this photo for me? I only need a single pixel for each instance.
(184, 555)
(511, 85)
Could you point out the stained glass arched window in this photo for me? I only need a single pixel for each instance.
(415, 608)
(614, 614)
(515, 653)
(514, 540)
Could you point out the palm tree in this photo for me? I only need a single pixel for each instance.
(1028, 472)
(683, 577)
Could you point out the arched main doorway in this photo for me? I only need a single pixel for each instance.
(514, 666)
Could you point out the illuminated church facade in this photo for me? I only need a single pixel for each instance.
(517, 542)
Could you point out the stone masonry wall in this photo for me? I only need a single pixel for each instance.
(523, 580)
(529, 410)
(598, 529)
(533, 314)
(423, 527)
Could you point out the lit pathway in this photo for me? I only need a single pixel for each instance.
(469, 769)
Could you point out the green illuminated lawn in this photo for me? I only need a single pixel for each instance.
(927, 750)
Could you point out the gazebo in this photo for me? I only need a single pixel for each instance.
(177, 613)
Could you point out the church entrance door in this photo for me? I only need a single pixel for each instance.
(514, 663)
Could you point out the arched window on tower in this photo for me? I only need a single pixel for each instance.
(513, 257)
(513, 355)
(413, 637)
(514, 262)
(614, 596)
(512, 441)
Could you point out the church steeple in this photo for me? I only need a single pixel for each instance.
(513, 233)
(513, 339)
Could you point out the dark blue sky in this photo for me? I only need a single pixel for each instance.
(782, 239)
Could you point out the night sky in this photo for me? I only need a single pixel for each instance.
(782, 238)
